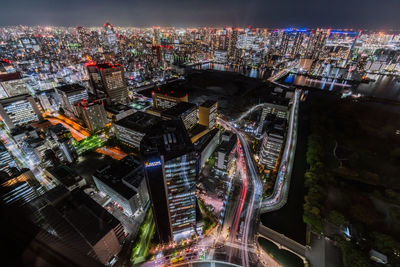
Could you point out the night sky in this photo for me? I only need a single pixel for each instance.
(373, 14)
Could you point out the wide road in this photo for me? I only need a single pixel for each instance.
(281, 190)
(249, 207)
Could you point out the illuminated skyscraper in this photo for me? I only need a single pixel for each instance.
(108, 80)
(232, 49)
(298, 41)
(316, 42)
(93, 114)
(69, 95)
(110, 33)
(6, 160)
(285, 42)
(171, 168)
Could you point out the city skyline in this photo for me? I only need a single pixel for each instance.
(368, 14)
(167, 146)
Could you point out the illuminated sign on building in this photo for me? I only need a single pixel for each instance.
(149, 164)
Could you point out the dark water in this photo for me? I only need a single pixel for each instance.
(382, 87)
(258, 73)
(324, 84)
(284, 257)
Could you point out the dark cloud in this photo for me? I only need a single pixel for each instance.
(382, 14)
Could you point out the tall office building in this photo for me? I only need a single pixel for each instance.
(315, 44)
(20, 189)
(208, 113)
(93, 114)
(69, 153)
(297, 43)
(171, 168)
(232, 49)
(81, 222)
(19, 110)
(6, 160)
(185, 111)
(108, 80)
(284, 42)
(110, 33)
(69, 95)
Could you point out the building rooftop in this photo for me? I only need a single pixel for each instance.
(102, 66)
(174, 89)
(227, 146)
(168, 138)
(116, 108)
(138, 121)
(205, 139)
(116, 174)
(178, 109)
(12, 99)
(58, 129)
(10, 76)
(70, 88)
(89, 218)
(65, 175)
(208, 103)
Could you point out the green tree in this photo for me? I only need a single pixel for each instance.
(352, 256)
(315, 221)
(336, 217)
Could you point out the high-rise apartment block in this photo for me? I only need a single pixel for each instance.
(271, 148)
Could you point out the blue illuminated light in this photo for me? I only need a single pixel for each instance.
(149, 164)
(302, 30)
(342, 32)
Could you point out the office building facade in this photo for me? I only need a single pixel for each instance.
(185, 111)
(18, 111)
(69, 95)
(123, 181)
(108, 80)
(208, 113)
(226, 152)
(93, 114)
(171, 168)
(131, 129)
(6, 160)
(270, 149)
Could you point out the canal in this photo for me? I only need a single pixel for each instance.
(289, 219)
(284, 257)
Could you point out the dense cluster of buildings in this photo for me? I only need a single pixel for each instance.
(59, 87)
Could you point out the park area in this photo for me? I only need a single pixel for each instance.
(352, 181)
